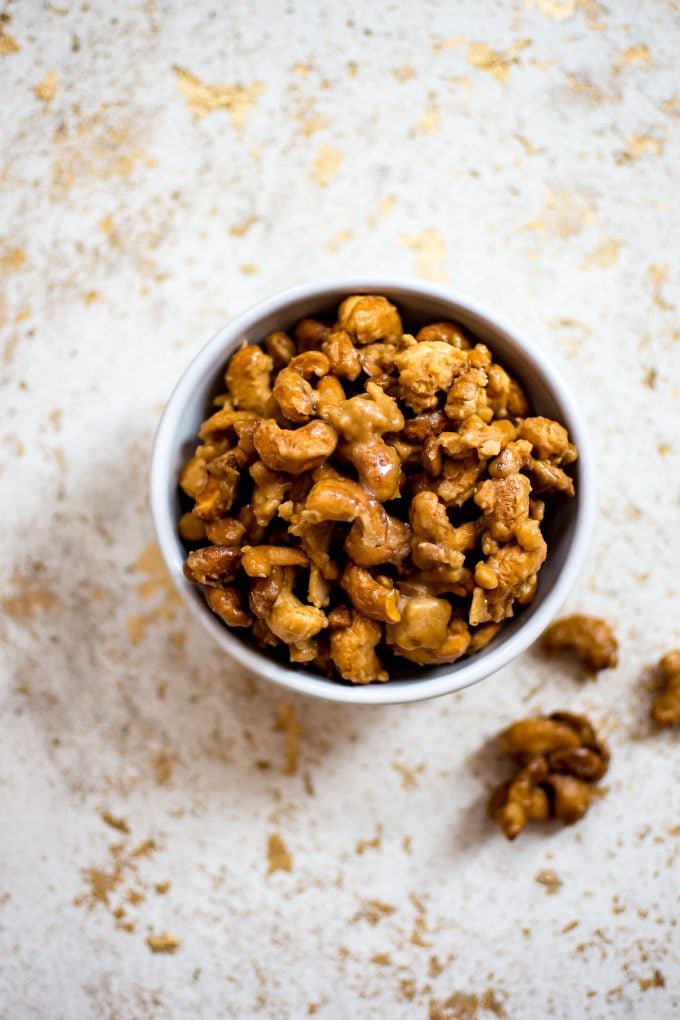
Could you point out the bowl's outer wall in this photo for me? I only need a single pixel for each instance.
(190, 404)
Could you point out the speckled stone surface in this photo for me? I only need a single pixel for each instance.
(528, 154)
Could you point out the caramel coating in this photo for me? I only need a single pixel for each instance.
(248, 379)
(666, 705)
(294, 450)
(592, 639)
(561, 758)
(353, 650)
(370, 317)
(360, 495)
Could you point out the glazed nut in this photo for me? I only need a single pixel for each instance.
(530, 737)
(370, 317)
(561, 759)
(310, 334)
(294, 450)
(342, 354)
(292, 621)
(292, 390)
(353, 651)
(226, 603)
(425, 369)
(260, 560)
(590, 638)
(448, 332)
(485, 576)
(666, 705)
(370, 597)
(191, 528)
(213, 564)
(248, 379)
(280, 348)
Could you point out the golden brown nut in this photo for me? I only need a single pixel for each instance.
(592, 639)
(548, 478)
(360, 547)
(481, 636)
(318, 589)
(294, 450)
(373, 598)
(264, 592)
(475, 434)
(513, 567)
(424, 426)
(549, 439)
(370, 317)
(226, 602)
(449, 332)
(191, 528)
(467, 396)
(271, 488)
(217, 496)
(292, 621)
(377, 360)
(247, 379)
(505, 505)
(512, 458)
(212, 565)
(425, 369)
(330, 394)
(561, 757)
(352, 650)
(292, 390)
(280, 348)
(226, 422)
(226, 531)
(530, 737)
(310, 334)
(194, 476)
(342, 354)
(259, 560)
(434, 539)
(521, 799)
(666, 706)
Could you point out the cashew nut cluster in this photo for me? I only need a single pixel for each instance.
(560, 759)
(363, 496)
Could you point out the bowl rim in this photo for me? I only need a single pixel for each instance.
(469, 671)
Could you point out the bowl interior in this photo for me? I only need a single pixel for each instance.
(191, 403)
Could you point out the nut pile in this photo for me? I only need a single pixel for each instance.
(364, 494)
(560, 758)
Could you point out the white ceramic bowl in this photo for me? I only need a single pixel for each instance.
(567, 535)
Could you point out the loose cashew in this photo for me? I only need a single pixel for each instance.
(294, 450)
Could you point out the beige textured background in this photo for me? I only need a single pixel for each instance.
(163, 165)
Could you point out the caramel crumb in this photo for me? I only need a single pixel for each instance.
(569, 926)
(287, 723)
(374, 911)
(161, 887)
(8, 44)
(381, 959)
(657, 980)
(47, 88)
(165, 943)
(203, 99)
(466, 1006)
(326, 165)
(550, 879)
(370, 844)
(115, 823)
(278, 857)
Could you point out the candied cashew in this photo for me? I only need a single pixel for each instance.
(370, 317)
(248, 378)
(352, 649)
(370, 596)
(225, 531)
(318, 589)
(259, 560)
(475, 434)
(561, 759)
(217, 496)
(226, 603)
(434, 540)
(191, 528)
(425, 369)
(426, 633)
(310, 334)
(521, 799)
(292, 621)
(264, 592)
(666, 705)
(280, 348)
(213, 564)
(193, 477)
(362, 421)
(342, 354)
(513, 566)
(448, 332)
(271, 488)
(548, 438)
(467, 396)
(294, 450)
(377, 359)
(292, 390)
(222, 422)
(592, 639)
(505, 505)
